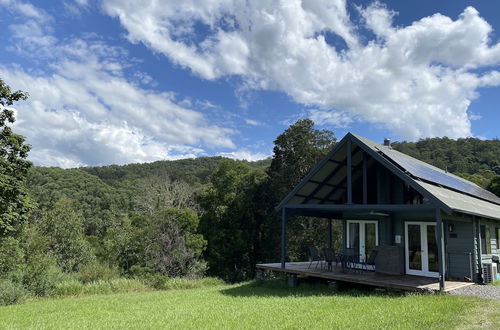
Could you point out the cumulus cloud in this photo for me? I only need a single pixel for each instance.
(417, 80)
(244, 154)
(83, 110)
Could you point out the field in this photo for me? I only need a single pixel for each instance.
(251, 306)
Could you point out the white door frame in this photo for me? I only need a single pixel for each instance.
(362, 235)
(424, 257)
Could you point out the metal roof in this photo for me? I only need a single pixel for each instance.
(325, 184)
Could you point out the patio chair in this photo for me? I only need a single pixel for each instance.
(370, 261)
(314, 255)
(349, 259)
(330, 257)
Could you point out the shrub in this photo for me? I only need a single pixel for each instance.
(11, 256)
(11, 293)
(42, 275)
(96, 271)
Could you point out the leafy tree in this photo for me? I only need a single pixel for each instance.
(63, 229)
(494, 185)
(296, 151)
(14, 201)
(160, 192)
(232, 223)
(174, 248)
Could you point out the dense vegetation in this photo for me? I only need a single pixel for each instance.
(171, 219)
(474, 159)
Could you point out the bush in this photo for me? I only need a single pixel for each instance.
(11, 293)
(11, 256)
(96, 271)
(42, 275)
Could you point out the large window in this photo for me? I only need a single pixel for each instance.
(485, 240)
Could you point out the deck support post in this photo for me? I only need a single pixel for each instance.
(441, 249)
(283, 237)
(330, 234)
(349, 171)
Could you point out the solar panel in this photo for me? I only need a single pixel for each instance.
(430, 173)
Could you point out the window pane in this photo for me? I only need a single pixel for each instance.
(371, 239)
(354, 237)
(432, 249)
(483, 239)
(414, 247)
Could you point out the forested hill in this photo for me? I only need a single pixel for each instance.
(474, 159)
(195, 170)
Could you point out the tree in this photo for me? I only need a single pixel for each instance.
(63, 230)
(296, 151)
(232, 223)
(174, 248)
(494, 185)
(14, 201)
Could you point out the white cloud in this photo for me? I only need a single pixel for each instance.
(245, 155)
(330, 118)
(416, 80)
(83, 110)
(253, 122)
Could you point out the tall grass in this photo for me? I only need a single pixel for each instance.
(119, 285)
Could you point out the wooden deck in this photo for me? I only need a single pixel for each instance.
(401, 282)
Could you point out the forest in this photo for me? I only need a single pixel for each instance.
(189, 218)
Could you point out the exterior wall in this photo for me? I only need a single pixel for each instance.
(459, 243)
(494, 249)
(460, 248)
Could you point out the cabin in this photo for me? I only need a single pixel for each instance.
(431, 229)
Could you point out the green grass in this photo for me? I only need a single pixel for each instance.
(251, 306)
(496, 283)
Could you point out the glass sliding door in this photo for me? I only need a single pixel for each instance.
(421, 249)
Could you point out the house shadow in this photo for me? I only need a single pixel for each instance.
(306, 288)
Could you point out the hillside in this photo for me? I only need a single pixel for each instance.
(474, 159)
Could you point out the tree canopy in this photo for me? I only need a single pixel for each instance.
(14, 201)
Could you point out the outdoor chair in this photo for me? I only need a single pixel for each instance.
(370, 261)
(314, 255)
(349, 259)
(330, 257)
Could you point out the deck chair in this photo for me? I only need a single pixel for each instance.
(370, 261)
(330, 257)
(314, 255)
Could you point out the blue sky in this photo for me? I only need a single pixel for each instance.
(116, 82)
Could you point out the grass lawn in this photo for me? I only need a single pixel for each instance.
(252, 306)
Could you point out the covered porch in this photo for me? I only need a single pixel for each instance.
(380, 205)
(399, 282)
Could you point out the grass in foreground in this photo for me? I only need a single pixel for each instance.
(251, 305)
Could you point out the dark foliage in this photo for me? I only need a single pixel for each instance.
(14, 201)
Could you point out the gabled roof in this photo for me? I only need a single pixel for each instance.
(325, 184)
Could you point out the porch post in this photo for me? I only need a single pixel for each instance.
(330, 239)
(478, 251)
(365, 180)
(349, 171)
(441, 249)
(283, 236)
